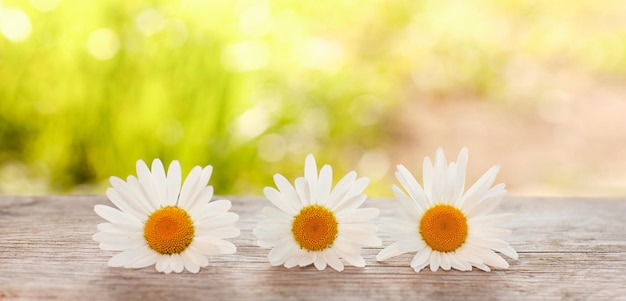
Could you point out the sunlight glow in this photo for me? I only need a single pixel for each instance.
(15, 24)
(45, 5)
(103, 44)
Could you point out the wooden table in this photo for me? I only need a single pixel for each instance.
(570, 249)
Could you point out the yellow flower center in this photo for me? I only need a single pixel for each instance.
(443, 228)
(169, 230)
(314, 228)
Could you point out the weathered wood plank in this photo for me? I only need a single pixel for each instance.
(569, 249)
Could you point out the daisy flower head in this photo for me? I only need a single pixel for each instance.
(158, 222)
(445, 226)
(314, 223)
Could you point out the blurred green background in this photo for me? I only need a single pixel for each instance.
(252, 86)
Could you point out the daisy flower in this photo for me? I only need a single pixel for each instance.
(446, 227)
(160, 223)
(314, 224)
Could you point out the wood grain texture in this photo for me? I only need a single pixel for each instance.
(570, 249)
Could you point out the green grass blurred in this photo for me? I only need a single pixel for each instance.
(252, 86)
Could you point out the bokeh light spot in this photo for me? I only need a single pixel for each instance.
(252, 123)
(103, 44)
(374, 164)
(246, 56)
(45, 5)
(255, 21)
(15, 24)
(150, 21)
(322, 54)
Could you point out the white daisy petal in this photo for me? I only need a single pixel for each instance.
(357, 189)
(488, 242)
(435, 261)
(285, 188)
(302, 188)
(174, 175)
(449, 184)
(131, 241)
(359, 215)
(142, 199)
(150, 200)
(171, 264)
(120, 259)
(420, 198)
(177, 263)
(487, 204)
(411, 208)
(189, 263)
(203, 247)
(168, 269)
(474, 237)
(310, 174)
(346, 246)
(508, 251)
(199, 192)
(469, 254)
(446, 262)
(361, 236)
(117, 246)
(286, 231)
(221, 232)
(226, 218)
(147, 183)
(492, 259)
(120, 228)
(141, 257)
(206, 245)
(400, 229)
(324, 185)
(294, 260)
(162, 263)
(355, 259)
(461, 167)
(307, 259)
(275, 214)
(278, 200)
(458, 264)
(211, 209)
(400, 247)
(421, 259)
(490, 220)
(160, 181)
(126, 206)
(350, 204)
(269, 225)
(205, 176)
(266, 235)
(341, 189)
(333, 261)
(490, 231)
(200, 202)
(115, 216)
(427, 175)
(320, 263)
(439, 173)
(133, 196)
(279, 254)
(482, 266)
(196, 255)
(189, 187)
(481, 186)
